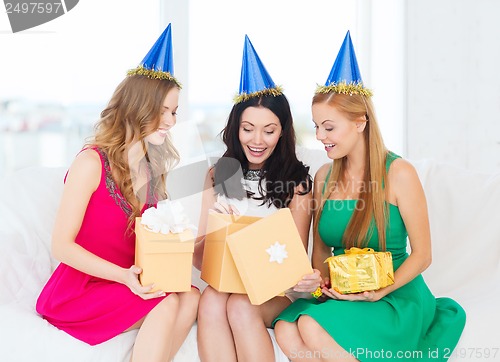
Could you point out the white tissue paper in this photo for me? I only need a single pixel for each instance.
(167, 217)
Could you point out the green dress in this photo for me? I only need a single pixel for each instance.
(407, 324)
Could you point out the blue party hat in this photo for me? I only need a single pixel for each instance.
(158, 63)
(345, 77)
(255, 81)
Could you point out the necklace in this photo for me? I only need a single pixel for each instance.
(252, 175)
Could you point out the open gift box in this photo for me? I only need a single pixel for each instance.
(267, 253)
(218, 268)
(166, 259)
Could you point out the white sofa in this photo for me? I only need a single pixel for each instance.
(465, 223)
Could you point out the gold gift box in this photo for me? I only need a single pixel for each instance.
(166, 259)
(218, 268)
(269, 255)
(360, 270)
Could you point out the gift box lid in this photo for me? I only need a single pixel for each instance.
(151, 242)
(269, 255)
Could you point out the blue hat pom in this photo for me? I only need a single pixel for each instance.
(255, 81)
(158, 62)
(345, 76)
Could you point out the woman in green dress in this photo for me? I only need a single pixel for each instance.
(368, 197)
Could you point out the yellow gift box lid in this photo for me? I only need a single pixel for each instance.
(270, 256)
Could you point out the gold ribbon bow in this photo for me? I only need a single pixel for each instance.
(355, 250)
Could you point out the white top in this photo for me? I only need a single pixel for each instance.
(250, 206)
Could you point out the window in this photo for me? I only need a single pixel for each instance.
(296, 40)
(56, 78)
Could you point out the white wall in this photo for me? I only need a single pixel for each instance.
(453, 94)
(382, 24)
(431, 65)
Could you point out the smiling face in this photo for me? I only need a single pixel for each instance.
(167, 117)
(259, 133)
(339, 134)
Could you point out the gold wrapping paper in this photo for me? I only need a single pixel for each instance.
(360, 270)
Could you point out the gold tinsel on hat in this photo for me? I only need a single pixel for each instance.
(344, 88)
(153, 74)
(276, 91)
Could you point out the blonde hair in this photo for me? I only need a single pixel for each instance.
(133, 113)
(372, 196)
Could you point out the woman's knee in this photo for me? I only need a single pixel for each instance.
(212, 304)
(168, 306)
(286, 335)
(240, 311)
(189, 301)
(191, 298)
(310, 330)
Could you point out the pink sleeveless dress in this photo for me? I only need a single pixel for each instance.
(92, 309)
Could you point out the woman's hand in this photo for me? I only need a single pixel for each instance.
(132, 281)
(309, 282)
(224, 207)
(369, 296)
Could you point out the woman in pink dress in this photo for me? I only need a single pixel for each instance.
(94, 294)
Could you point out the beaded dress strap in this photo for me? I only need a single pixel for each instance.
(113, 190)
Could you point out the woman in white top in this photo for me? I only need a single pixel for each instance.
(260, 139)
(260, 156)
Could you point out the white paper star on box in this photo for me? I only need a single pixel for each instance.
(277, 252)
